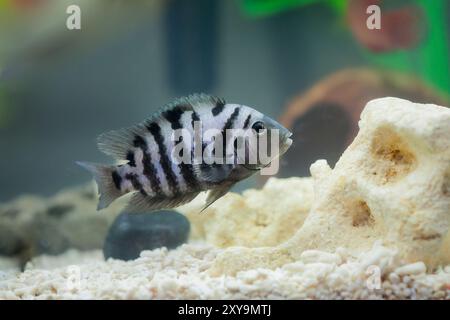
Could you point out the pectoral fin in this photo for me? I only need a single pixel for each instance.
(213, 173)
(215, 194)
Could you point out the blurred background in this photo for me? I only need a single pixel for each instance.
(313, 64)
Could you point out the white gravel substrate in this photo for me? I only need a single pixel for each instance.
(182, 274)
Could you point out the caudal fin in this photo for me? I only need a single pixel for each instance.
(106, 186)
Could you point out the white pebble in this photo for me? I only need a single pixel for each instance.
(412, 268)
(394, 278)
(439, 294)
(407, 279)
(378, 256)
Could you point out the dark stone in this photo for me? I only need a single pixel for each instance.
(132, 233)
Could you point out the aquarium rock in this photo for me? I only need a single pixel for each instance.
(256, 218)
(37, 225)
(392, 185)
(132, 233)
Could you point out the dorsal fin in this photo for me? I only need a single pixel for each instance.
(194, 100)
(117, 143)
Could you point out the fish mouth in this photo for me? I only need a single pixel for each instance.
(287, 141)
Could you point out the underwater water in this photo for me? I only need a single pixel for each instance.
(357, 207)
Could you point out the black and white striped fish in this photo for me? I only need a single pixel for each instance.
(150, 173)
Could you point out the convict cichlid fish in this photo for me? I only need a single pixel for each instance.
(184, 149)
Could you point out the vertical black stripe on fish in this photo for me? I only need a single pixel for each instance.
(150, 172)
(230, 121)
(189, 176)
(218, 108)
(229, 125)
(195, 135)
(194, 118)
(137, 185)
(149, 169)
(130, 158)
(247, 121)
(174, 114)
(140, 143)
(204, 145)
(117, 179)
(171, 178)
(186, 169)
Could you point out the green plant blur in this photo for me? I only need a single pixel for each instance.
(261, 8)
(429, 60)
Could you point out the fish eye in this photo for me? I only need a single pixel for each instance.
(258, 126)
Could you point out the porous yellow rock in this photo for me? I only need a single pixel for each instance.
(252, 219)
(392, 185)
